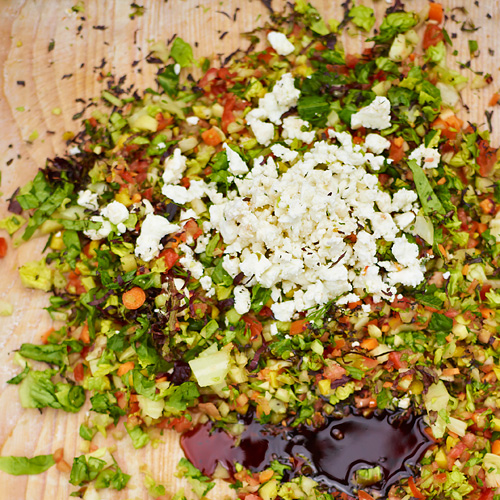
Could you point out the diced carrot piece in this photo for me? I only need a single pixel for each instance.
(211, 137)
(63, 466)
(396, 151)
(495, 447)
(494, 99)
(46, 335)
(414, 490)
(125, 368)
(84, 335)
(134, 298)
(487, 206)
(58, 455)
(482, 227)
(486, 312)
(436, 12)
(363, 495)
(298, 326)
(443, 251)
(265, 475)
(369, 343)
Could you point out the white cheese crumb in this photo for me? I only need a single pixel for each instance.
(148, 208)
(404, 403)
(271, 107)
(242, 299)
(283, 311)
(153, 229)
(206, 282)
(292, 129)
(102, 232)
(236, 165)
(192, 120)
(263, 132)
(406, 253)
(174, 168)
(376, 143)
(426, 157)
(289, 231)
(280, 43)
(284, 153)
(88, 199)
(191, 265)
(115, 212)
(376, 115)
(177, 68)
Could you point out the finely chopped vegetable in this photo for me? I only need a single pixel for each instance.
(299, 232)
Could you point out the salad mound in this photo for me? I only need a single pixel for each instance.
(296, 233)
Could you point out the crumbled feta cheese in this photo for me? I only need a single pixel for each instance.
(263, 132)
(180, 286)
(292, 129)
(182, 195)
(280, 43)
(148, 208)
(405, 253)
(284, 153)
(404, 403)
(271, 107)
(201, 243)
(115, 212)
(192, 120)
(403, 200)
(102, 232)
(74, 150)
(236, 165)
(411, 276)
(206, 282)
(347, 299)
(376, 143)
(231, 266)
(177, 68)
(376, 115)
(290, 231)
(283, 311)
(187, 261)
(426, 157)
(404, 220)
(153, 229)
(174, 168)
(88, 199)
(187, 215)
(446, 275)
(242, 299)
(285, 93)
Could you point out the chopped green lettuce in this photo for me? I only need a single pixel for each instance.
(20, 466)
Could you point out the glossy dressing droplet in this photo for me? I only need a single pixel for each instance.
(331, 455)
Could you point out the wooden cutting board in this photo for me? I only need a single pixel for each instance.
(42, 90)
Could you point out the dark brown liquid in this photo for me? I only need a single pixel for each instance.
(330, 455)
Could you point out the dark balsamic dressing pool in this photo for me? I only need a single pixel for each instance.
(395, 441)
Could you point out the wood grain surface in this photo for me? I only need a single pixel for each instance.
(35, 81)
